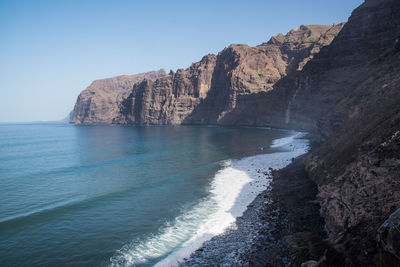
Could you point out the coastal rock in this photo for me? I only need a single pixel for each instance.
(99, 103)
(352, 98)
(244, 78)
(169, 99)
(231, 88)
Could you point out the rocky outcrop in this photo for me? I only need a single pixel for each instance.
(100, 102)
(212, 91)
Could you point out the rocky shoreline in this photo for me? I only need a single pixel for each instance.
(258, 236)
(281, 227)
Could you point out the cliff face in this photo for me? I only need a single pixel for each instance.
(350, 91)
(99, 103)
(169, 99)
(335, 73)
(209, 91)
(231, 88)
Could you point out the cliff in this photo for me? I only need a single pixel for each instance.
(208, 91)
(212, 91)
(169, 99)
(99, 103)
(243, 91)
(351, 92)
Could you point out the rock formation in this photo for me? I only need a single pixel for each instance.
(169, 99)
(242, 74)
(215, 90)
(350, 91)
(100, 102)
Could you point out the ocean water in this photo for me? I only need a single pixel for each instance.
(127, 196)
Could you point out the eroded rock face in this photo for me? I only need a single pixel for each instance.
(354, 85)
(338, 70)
(232, 88)
(99, 103)
(169, 99)
(211, 91)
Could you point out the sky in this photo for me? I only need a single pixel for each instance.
(52, 50)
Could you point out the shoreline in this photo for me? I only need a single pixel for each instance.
(281, 226)
(252, 178)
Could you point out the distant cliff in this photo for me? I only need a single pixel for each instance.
(100, 102)
(209, 91)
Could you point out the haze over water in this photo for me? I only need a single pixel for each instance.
(84, 195)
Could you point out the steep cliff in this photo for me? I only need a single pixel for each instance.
(245, 77)
(350, 92)
(169, 99)
(232, 88)
(99, 103)
(208, 91)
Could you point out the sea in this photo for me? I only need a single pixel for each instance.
(128, 195)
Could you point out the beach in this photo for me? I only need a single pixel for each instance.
(281, 226)
(234, 229)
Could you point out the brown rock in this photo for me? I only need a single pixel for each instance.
(169, 99)
(99, 103)
(209, 91)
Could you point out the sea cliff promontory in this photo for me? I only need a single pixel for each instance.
(100, 102)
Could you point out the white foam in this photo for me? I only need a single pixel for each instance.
(287, 140)
(232, 190)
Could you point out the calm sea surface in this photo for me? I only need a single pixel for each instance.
(85, 195)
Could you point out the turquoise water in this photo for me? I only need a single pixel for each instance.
(82, 195)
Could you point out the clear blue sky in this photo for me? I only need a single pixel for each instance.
(52, 50)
